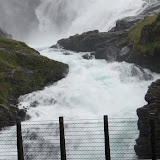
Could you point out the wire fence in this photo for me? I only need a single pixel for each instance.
(122, 139)
(8, 143)
(123, 133)
(41, 141)
(84, 140)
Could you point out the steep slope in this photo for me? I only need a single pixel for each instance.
(23, 70)
(145, 39)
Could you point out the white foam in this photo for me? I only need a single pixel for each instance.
(91, 89)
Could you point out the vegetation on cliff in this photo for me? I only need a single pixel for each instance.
(146, 35)
(23, 70)
(133, 39)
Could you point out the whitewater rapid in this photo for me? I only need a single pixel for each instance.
(91, 89)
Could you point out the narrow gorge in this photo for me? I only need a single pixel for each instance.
(80, 60)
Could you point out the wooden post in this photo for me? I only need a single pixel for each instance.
(106, 136)
(19, 140)
(62, 139)
(153, 139)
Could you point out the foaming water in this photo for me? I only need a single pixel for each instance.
(91, 89)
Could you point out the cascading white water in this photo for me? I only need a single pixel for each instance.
(52, 19)
(92, 88)
(59, 19)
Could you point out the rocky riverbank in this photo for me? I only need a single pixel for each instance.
(23, 70)
(143, 143)
(133, 39)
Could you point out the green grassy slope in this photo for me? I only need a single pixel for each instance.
(149, 31)
(23, 70)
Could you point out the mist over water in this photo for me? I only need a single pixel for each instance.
(65, 18)
(40, 22)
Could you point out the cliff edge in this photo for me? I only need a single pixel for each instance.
(23, 70)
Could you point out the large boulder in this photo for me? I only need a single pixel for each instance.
(108, 53)
(106, 45)
(85, 42)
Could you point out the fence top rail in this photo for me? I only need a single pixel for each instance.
(84, 120)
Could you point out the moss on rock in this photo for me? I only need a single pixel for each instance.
(134, 33)
(24, 70)
(146, 35)
(155, 92)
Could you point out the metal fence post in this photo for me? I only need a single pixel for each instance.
(62, 139)
(106, 136)
(19, 140)
(153, 139)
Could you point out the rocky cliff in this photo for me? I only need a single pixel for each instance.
(133, 39)
(23, 70)
(143, 143)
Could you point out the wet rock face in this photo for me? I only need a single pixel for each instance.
(143, 143)
(149, 32)
(153, 94)
(105, 44)
(8, 115)
(86, 42)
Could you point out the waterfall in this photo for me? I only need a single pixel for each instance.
(63, 18)
(31, 20)
(91, 89)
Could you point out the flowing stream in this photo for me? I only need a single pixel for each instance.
(92, 88)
